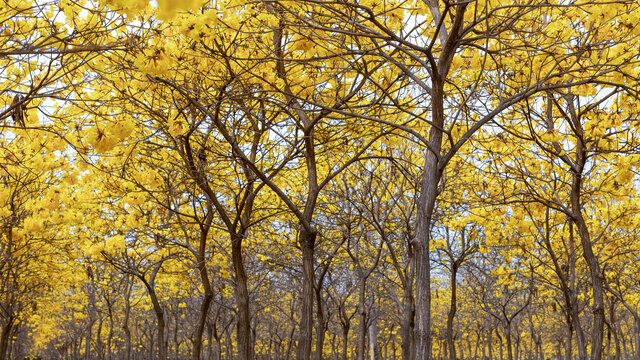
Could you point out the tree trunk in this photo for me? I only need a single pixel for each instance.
(110, 335)
(597, 328)
(616, 338)
(509, 343)
(307, 243)
(125, 328)
(453, 305)
(4, 339)
(490, 341)
(362, 326)
(374, 350)
(157, 308)
(407, 323)
(206, 300)
(242, 301)
(422, 328)
(429, 183)
(320, 324)
(636, 336)
(568, 343)
(87, 344)
(345, 342)
(500, 343)
(575, 311)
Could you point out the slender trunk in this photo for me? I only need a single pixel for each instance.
(228, 350)
(426, 204)
(157, 309)
(91, 307)
(125, 328)
(110, 335)
(4, 339)
(597, 328)
(210, 341)
(307, 243)
(407, 323)
(87, 344)
(290, 344)
(99, 345)
(453, 305)
(320, 324)
(218, 337)
(175, 335)
(636, 336)
(242, 300)
(334, 348)
(490, 341)
(608, 345)
(484, 346)
(422, 328)
(429, 184)
(574, 306)
(568, 343)
(374, 350)
(616, 338)
(509, 343)
(624, 346)
(206, 300)
(345, 342)
(362, 326)
(162, 345)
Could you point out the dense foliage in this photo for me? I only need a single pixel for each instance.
(314, 179)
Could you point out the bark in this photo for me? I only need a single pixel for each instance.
(99, 345)
(242, 295)
(490, 341)
(500, 343)
(210, 342)
(307, 243)
(4, 339)
(345, 342)
(568, 342)
(608, 346)
(206, 284)
(321, 323)
(175, 335)
(407, 324)
(429, 187)
(624, 346)
(573, 295)
(453, 305)
(636, 337)
(614, 329)
(509, 343)
(422, 328)
(87, 343)
(597, 329)
(362, 326)
(110, 335)
(91, 307)
(374, 350)
(157, 309)
(125, 325)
